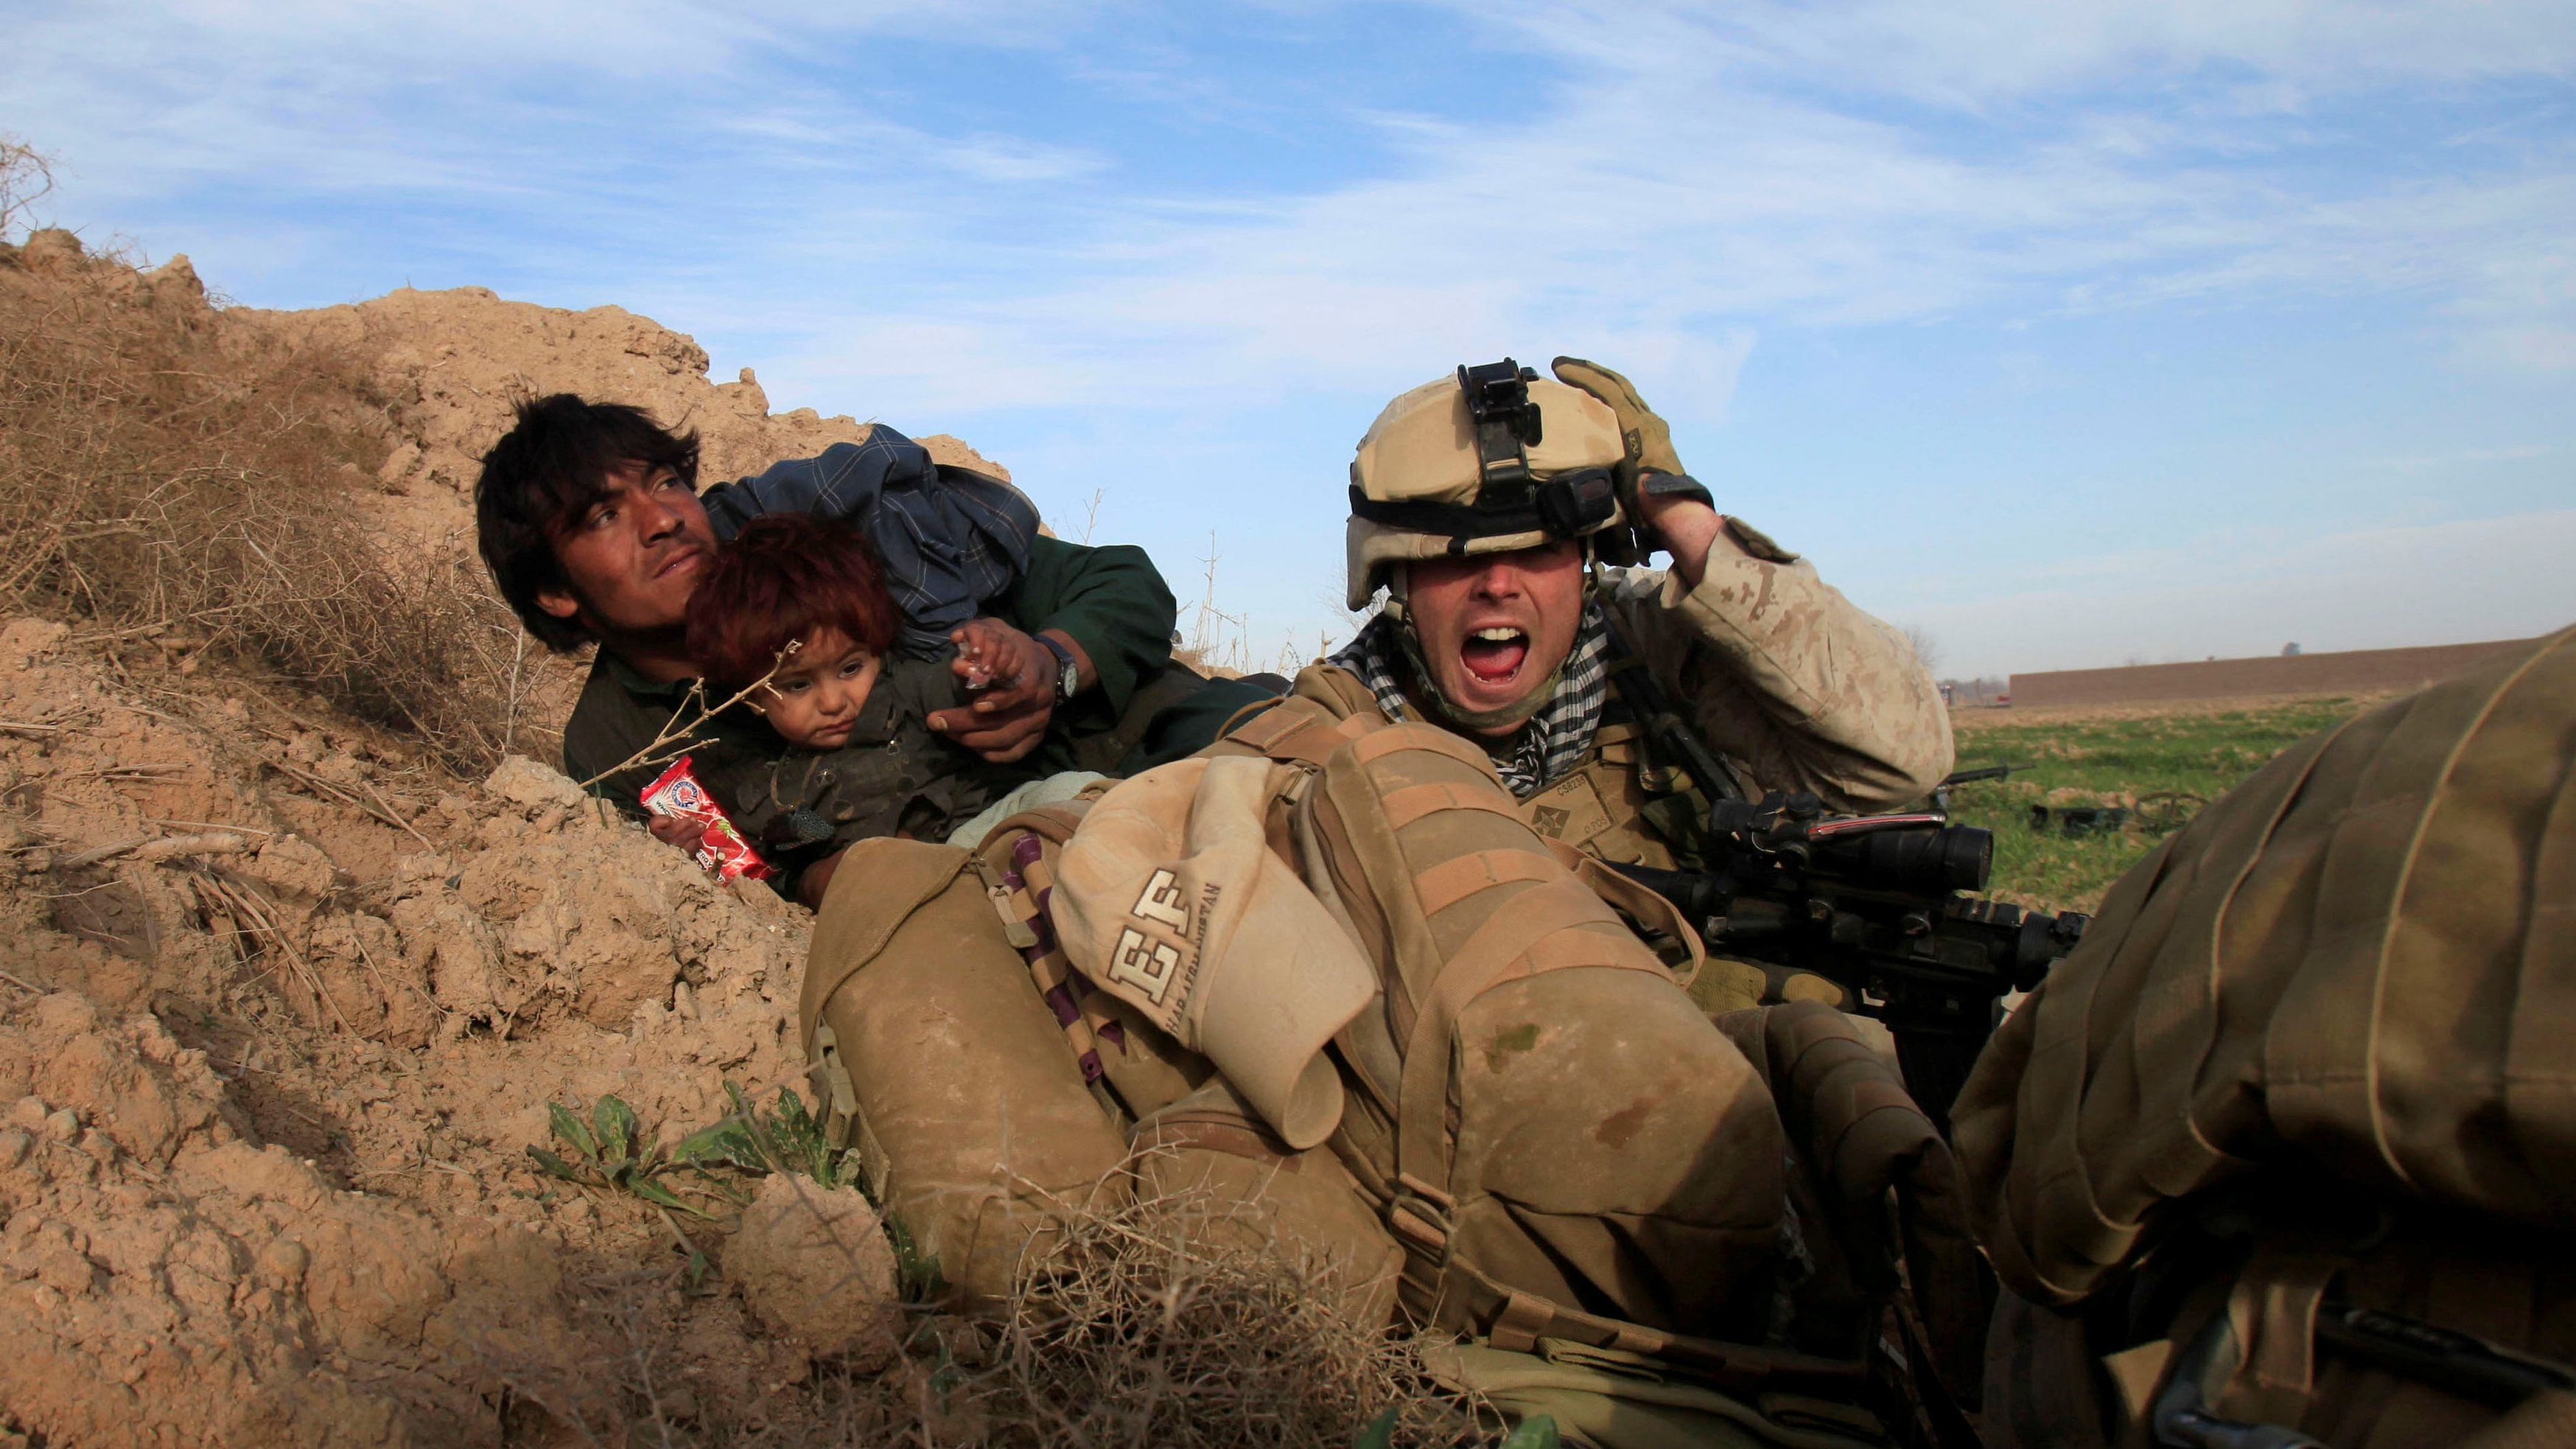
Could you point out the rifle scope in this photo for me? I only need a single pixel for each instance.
(1911, 852)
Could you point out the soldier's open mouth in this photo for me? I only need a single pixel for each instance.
(1494, 655)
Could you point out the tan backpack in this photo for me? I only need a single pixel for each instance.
(2304, 1102)
(1579, 1169)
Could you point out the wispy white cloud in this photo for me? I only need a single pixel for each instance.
(1982, 53)
(1687, 178)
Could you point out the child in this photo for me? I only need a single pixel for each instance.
(803, 601)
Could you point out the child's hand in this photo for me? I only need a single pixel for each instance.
(990, 653)
(1016, 698)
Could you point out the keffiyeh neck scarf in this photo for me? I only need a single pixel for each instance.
(1552, 742)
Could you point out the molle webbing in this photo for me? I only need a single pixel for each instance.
(1298, 730)
(1471, 900)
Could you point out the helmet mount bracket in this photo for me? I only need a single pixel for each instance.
(1507, 423)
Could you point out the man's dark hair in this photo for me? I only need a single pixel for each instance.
(539, 480)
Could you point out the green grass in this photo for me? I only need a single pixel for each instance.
(2109, 759)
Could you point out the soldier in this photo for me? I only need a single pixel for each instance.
(1360, 960)
(1479, 503)
(2285, 1153)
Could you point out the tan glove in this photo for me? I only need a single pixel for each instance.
(1650, 450)
(1650, 442)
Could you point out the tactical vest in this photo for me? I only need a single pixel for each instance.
(1603, 807)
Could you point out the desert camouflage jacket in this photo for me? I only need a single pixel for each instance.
(1788, 680)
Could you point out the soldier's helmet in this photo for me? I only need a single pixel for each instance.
(1490, 459)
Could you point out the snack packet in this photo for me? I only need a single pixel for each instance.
(721, 848)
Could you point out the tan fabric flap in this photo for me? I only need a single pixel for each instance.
(877, 887)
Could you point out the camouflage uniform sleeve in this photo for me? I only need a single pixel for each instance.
(1796, 686)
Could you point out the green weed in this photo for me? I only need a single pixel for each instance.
(611, 1152)
(785, 1138)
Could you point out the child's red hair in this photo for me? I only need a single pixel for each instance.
(785, 576)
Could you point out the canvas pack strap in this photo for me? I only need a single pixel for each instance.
(1300, 731)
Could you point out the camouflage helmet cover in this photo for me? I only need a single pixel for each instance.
(1421, 456)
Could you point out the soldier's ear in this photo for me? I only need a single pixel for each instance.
(559, 602)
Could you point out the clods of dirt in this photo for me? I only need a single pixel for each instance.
(814, 1264)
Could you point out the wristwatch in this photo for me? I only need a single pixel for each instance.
(1068, 682)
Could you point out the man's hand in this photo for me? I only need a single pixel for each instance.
(816, 882)
(679, 830)
(1009, 716)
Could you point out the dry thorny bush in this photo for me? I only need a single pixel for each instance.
(1145, 1328)
(168, 475)
(1180, 1320)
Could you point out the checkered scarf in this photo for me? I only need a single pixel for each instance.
(1553, 741)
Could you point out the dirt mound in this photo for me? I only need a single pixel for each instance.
(449, 364)
(164, 1278)
(352, 978)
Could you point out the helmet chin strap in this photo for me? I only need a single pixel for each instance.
(1427, 684)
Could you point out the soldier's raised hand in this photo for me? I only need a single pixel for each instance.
(1675, 513)
(1649, 440)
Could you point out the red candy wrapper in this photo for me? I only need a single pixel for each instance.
(721, 848)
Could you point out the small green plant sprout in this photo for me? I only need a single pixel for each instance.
(611, 1152)
(784, 1138)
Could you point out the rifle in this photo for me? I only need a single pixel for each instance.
(1881, 905)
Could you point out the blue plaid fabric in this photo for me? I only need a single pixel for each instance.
(952, 540)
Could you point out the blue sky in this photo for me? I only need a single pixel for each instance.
(2066, 333)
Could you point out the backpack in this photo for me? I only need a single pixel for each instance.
(2291, 1138)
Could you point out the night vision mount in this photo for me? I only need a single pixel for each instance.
(1508, 424)
(1509, 498)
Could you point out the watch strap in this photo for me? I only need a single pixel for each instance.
(1068, 680)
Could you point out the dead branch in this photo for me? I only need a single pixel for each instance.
(148, 849)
